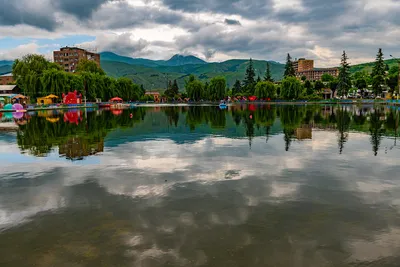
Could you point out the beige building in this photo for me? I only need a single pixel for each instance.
(68, 57)
(305, 67)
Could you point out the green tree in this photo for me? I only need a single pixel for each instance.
(85, 65)
(28, 72)
(237, 88)
(54, 82)
(344, 76)
(304, 78)
(319, 86)
(217, 88)
(379, 66)
(291, 88)
(361, 83)
(333, 85)
(194, 88)
(289, 69)
(308, 87)
(377, 82)
(265, 90)
(327, 77)
(268, 76)
(249, 79)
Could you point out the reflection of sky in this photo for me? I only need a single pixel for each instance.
(187, 199)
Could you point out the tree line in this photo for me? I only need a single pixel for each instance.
(37, 77)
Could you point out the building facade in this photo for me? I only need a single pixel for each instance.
(6, 79)
(68, 57)
(305, 67)
(316, 74)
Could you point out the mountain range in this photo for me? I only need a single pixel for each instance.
(155, 74)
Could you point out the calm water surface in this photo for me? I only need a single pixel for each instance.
(248, 186)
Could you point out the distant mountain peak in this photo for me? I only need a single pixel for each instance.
(179, 60)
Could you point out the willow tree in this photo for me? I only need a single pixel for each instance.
(217, 88)
(28, 72)
(265, 90)
(194, 88)
(291, 88)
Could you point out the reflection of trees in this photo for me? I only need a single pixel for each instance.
(173, 115)
(39, 136)
(291, 118)
(203, 115)
(376, 129)
(392, 123)
(343, 126)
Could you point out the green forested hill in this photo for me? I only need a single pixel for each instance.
(156, 77)
(5, 69)
(368, 66)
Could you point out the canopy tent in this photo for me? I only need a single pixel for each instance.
(46, 100)
(51, 96)
(115, 99)
(19, 97)
(2, 99)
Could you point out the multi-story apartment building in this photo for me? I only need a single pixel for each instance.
(6, 79)
(305, 67)
(68, 57)
(316, 74)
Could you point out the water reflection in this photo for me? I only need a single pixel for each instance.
(40, 133)
(249, 186)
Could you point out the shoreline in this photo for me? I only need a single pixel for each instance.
(397, 103)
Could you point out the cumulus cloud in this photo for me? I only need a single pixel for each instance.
(268, 28)
(19, 51)
(123, 44)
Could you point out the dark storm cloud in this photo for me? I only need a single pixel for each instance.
(123, 44)
(17, 12)
(131, 16)
(82, 9)
(246, 8)
(232, 22)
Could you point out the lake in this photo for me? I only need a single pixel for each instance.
(251, 185)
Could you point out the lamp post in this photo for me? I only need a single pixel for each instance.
(398, 82)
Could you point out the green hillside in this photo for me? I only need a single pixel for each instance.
(368, 66)
(5, 69)
(156, 77)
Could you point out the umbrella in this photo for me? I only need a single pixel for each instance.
(51, 96)
(116, 99)
(18, 107)
(19, 96)
(2, 99)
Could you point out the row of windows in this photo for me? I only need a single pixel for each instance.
(65, 54)
(65, 60)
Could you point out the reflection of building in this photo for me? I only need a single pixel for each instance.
(304, 133)
(77, 148)
(6, 79)
(68, 57)
(305, 67)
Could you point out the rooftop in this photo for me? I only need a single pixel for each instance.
(7, 87)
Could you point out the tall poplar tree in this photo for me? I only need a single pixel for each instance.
(289, 69)
(249, 79)
(344, 76)
(380, 66)
(268, 77)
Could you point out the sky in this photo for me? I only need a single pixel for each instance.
(212, 30)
